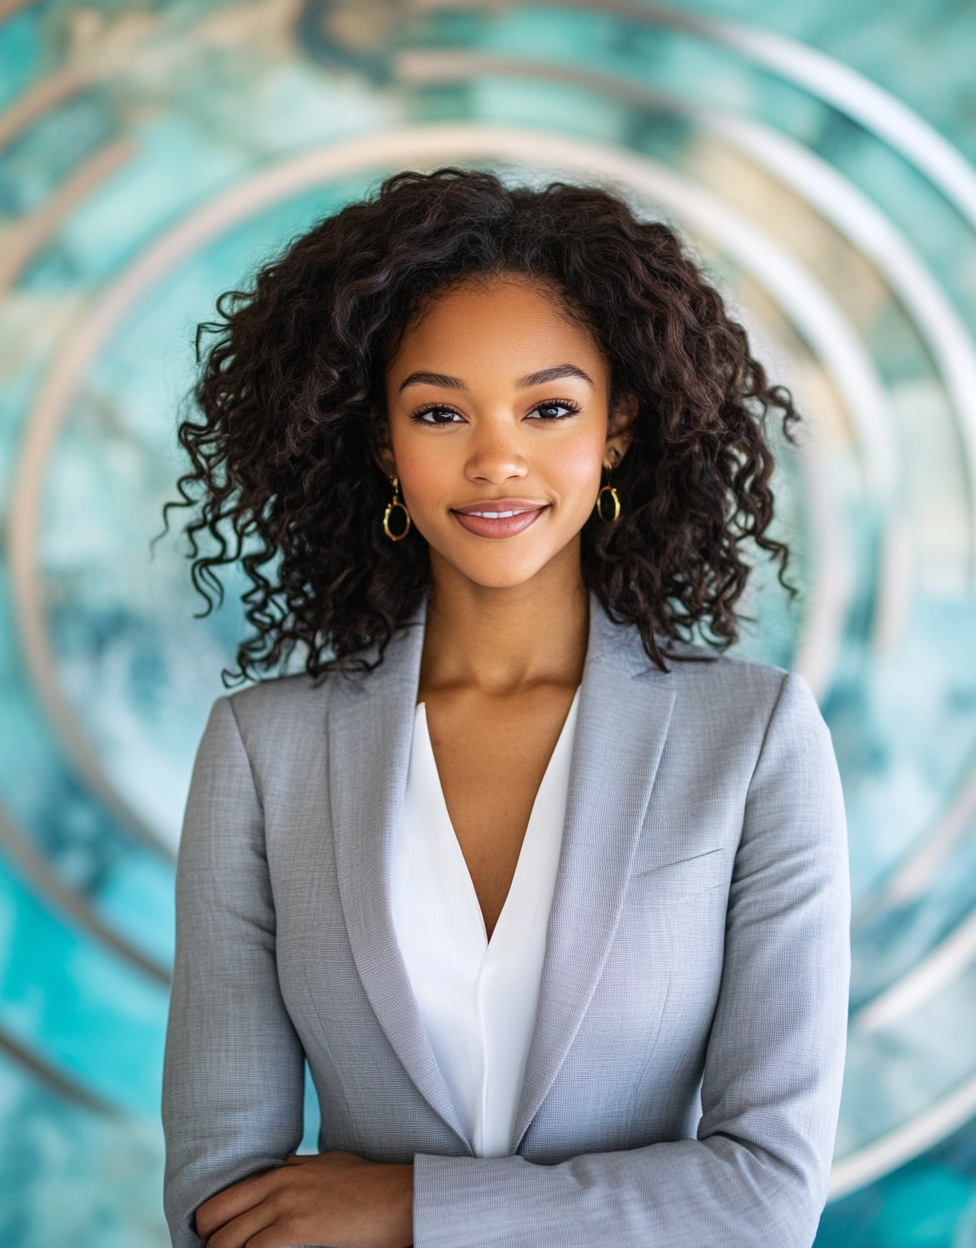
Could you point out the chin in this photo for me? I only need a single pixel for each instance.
(495, 577)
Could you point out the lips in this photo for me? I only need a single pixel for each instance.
(502, 517)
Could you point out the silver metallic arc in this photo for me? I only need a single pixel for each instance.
(943, 330)
(915, 872)
(69, 903)
(48, 1075)
(904, 1143)
(939, 968)
(850, 92)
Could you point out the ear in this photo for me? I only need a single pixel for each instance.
(620, 430)
(383, 455)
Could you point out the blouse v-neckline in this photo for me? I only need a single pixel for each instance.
(477, 997)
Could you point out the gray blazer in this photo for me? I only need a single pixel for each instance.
(684, 1076)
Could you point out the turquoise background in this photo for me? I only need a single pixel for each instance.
(849, 253)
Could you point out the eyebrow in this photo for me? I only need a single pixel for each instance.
(552, 374)
(446, 382)
(443, 380)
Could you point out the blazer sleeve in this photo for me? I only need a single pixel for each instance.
(757, 1172)
(234, 1071)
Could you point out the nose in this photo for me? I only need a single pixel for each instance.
(496, 454)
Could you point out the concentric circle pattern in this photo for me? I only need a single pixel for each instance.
(150, 156)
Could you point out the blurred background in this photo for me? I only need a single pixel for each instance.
(151, 155)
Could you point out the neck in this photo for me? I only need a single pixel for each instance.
(502, 641)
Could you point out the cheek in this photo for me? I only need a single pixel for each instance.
(426, 468)
(573, 466)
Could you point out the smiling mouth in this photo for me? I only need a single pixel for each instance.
(506, 519)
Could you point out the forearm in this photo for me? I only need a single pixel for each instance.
(686, 1194)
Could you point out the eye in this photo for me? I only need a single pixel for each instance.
(553, 409)
(437, 415)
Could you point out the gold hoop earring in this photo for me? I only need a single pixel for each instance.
(395, 502)
(614, 498)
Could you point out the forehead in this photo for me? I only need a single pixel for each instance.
(516, 325)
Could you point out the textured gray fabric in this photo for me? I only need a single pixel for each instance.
(684, 1076)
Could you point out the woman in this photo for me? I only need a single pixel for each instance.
(553, 903)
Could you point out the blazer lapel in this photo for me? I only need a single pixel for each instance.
(370, 727)
(625, 709)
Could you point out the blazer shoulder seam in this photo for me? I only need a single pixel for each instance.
(250, 765)
(784, 681)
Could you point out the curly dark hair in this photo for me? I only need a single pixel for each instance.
(284, 477)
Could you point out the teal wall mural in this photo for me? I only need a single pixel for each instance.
(817, 156)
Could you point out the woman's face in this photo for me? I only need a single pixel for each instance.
(499, 428)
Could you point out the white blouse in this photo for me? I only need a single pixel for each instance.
(477, 998)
